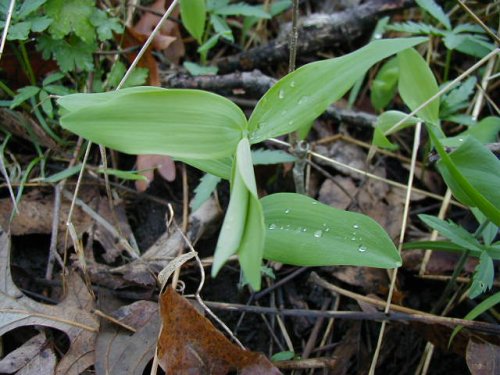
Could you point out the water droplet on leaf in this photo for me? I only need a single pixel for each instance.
(272, 226)
(361, 248)
(281, 94)
(318, 233)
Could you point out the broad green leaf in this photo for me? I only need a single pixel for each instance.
(385, 126)
(242, 9)
(451, 230)
(39, 24)
(435, 11)
(385, 84)
(417, 84)
(301, 96)
(303, 232)
(484, 273)
(180, 123)
(193, 15)
(485, 131)
(471, 173)
(485, 305)
(71, 54)
(105, 25)
(29, 7)
(205, 188)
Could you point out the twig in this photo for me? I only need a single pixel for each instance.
(416, 143)
(6, 26)
(479, 22)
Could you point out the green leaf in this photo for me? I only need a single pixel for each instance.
(435, 11)
(29, 7)
(490, 230)
(209, 44)
(39, 24)
(485, 305)
(485, 131)
(71, 16)
(180, 123)
(469, 172)
(198, 70)
(417, 84)
(221, 27)
(205, 188)
(71, 55)
(265, 157)
(303, 232)
(57, 90)
(448, 246)
(105, 25)
(473, 45)
(46, 103)
(416, 28)
(301, 96)
(458, 98)
(385, 84)
(218, 167)
(243, 228)
(51, 78)
(283, 356)
(243, 9)
(68, 172)
(193, 16)
(24, 94)
(484, 273)
(385, 126)
(19, 31)
(451, 230)
(124, 175)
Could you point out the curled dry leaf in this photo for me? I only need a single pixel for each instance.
(190, 344)
(483, 358)
(147, 165)
(72, 316)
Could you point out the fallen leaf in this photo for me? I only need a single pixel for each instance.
(71, 316)
(338, 192)
(190, 344)
(147, 164)
(371, 280)
(35, 217)
(34, 357)
(483, 358)
(121, 352)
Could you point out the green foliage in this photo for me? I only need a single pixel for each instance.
(435, 11)
(457, 99)
(385, 84)
(328, 236)
(199, 70)
(205, 188)
(484, 273)
(211, 133)
(193, 16)
(454, 232)
(386, 125)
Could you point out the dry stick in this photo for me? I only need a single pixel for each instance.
(482, 89)
(311, 341)
(479, 22)
(3, 170)
(367, 174)
(416, 143)
(6, 26)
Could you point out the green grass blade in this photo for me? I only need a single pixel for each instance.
(194, 15)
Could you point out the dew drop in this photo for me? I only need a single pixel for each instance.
(290, 122)
(353, 238)
(292, 84)
(304, 229)
(272, 226)
(262, 124)
(460, 139)
(361, 248)
(281, 94)
(303, 99)
(287, 211)
(318, 233)
(314, 202)
(327, 229)
(355, 226)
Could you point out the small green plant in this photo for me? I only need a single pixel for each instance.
(212, 134)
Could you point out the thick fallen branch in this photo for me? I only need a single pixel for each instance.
(316, 32)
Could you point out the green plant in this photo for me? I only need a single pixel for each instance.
(212, 134)
(207, 23)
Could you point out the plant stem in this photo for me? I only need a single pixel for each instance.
(27, 64)
(446, 73)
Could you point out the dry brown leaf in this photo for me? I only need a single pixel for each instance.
(190, 344)
(35, 217)
(71, 316)
(34, 357)
(338, 193)
(483, 358)
(121, 352)
(147, 165)
(372, 280)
